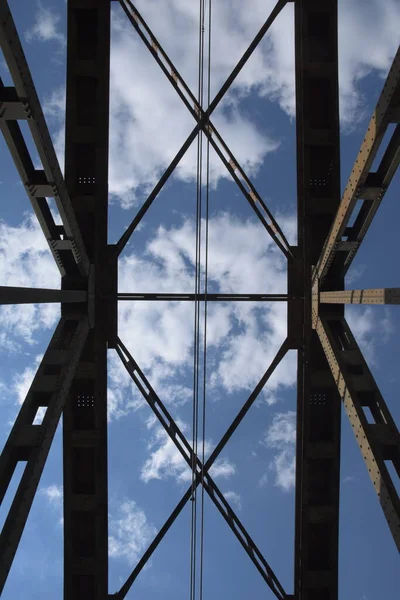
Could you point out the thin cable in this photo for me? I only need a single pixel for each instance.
(196, 353)
(205, 311)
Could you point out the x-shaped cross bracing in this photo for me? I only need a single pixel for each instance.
(204, 124)
(202, 471)
(379, 441)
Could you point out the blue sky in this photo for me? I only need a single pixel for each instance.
(256, 470)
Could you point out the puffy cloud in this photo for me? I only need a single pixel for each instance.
(129, 529)
(23, 381)
(46, 27)
(242, 338)
(234, 498)
(54, 495)
(281, 438)
(148, 121)
(166, 461)
(27, 264)
(130, 532)
(222, 468)
(371, 326)
(355, 20)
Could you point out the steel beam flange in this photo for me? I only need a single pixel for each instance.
(314, 301)
(377, 441)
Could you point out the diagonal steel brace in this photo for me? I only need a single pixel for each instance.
(202, 122)
(209, 129)
(30, 443)
(53, 182)
(202, 472)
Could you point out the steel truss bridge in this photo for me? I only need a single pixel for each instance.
(71, 380)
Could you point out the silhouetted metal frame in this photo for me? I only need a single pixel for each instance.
(22, 102)
(29, 442)
(202, 473)
(84, 295)
(202, 122)
(85, 428)
(364, 184)
(318, 402)
(190, 101)
(24, 295)
(379, 440)
(165, 297)
(374, 296)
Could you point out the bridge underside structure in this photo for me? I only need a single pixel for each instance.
(71, 381)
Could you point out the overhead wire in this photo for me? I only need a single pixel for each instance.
(205, 312)
(196, 351)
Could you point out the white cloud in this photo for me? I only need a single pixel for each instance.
(149, 122)
(130, 532)
(166, 461)
(54, 495)
(25, 260)
(23, 381)
(145, 106)
(356, 18)
(8, 345)
(262, 482)
(281, 438)
(242, 338)
(122, 394)
(54, 111)
(371, 326)
(46, 27)
(234, 498)
(349, 479)
(54, 105)
(222, 468)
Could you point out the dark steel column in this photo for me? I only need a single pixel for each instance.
(318, 426)
(85, 415)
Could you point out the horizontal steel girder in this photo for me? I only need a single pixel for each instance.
(22, 295)
(204, 297)
(373, 296)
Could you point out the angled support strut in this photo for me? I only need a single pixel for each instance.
(30, 442)
(203, 123)
(364, 184)
(22, 102)
(379, 441)
(220, 147)
(202, 472)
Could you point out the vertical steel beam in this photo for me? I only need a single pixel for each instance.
(85, 415)
(318, 404)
